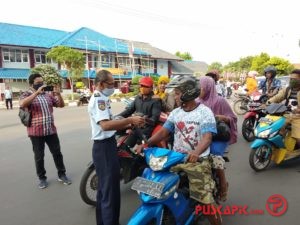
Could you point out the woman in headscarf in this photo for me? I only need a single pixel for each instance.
(168, 100)
(222, 111)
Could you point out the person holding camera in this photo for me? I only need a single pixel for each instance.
(40, 100)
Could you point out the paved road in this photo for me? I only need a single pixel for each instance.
(22, 203)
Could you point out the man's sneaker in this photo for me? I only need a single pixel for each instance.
(43, 184)
(64, 179)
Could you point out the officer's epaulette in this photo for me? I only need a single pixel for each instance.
(97, 94)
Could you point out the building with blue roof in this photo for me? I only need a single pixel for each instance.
(24, 47)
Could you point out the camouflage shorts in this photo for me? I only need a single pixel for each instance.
(218, 162)
(201, 183)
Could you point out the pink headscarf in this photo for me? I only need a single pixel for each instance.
(217, 104)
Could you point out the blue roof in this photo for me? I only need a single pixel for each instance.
(85, 38)
(6, 73)
(20, 35)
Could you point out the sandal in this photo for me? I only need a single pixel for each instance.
(223, 193)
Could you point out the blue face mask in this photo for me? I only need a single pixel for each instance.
(108, 91)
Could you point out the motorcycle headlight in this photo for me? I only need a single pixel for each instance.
(264, 134)
(157, 163)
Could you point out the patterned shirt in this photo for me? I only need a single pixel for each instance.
(193, 125)
(42, 121)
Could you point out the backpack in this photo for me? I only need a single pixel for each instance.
(223, 132)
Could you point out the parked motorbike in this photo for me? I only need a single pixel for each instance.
(269, 144)
(131, 165)
(164, 194)
(251, 118)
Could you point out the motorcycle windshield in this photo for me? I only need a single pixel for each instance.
(165, 158)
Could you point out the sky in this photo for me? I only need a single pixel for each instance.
(211, 31)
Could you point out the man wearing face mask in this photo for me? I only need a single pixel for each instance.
(147, 104)
(42, 129)
(105, 156)
(291, 96)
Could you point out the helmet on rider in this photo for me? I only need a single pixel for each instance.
(146, 81)
(272, 70)
(187, 85)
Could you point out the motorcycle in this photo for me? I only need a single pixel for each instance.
(164, 194)
(269, 144)
(241, 104)
(165, 199)
(251, 118)
(83, 99)
(131, 165)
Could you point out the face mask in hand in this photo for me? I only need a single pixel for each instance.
(108, 91)
(37, 86)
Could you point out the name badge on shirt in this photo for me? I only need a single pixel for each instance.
(101, 105)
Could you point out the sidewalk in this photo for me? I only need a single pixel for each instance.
(14, 103)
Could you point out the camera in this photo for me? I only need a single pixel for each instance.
(48, 88)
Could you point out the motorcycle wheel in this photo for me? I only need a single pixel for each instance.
(237, 107)
(260, 158)
(88, 186)
(248, 129)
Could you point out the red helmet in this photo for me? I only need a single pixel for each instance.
(146, 81)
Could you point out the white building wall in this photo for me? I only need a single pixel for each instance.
(162, 67)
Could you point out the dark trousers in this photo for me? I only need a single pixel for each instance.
(8, 100)
(38, 144)
(106, 161)
(135, 137)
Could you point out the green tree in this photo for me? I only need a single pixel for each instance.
(49, 73)
(73, 60)
(259, 62)
(184, 55)
(215, 66)
(283, 66)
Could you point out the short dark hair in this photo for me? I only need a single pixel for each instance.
(296, 71)
(102, 76)
(32, 77)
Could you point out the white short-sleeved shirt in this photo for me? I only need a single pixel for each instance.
(99, 109)
(193, 124)
(7, 94)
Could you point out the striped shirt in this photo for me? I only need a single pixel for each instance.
(42, 120)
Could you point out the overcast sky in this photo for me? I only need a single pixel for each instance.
(211, 30)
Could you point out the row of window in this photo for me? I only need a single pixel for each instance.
(22, 56)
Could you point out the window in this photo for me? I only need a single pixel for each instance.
(40, 57)
(15, 55)
(148, 64)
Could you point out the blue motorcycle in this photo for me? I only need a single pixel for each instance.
(164, 194)
(269, 144)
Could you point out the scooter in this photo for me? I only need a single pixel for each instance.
(131, 165)
(164, 194)
(269, 144)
